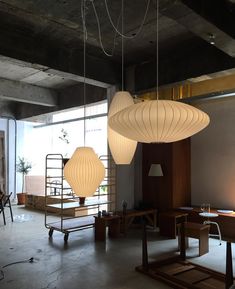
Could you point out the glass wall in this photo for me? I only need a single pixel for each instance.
(65, 134)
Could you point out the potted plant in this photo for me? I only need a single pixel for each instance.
(23, 167)
(64, 137)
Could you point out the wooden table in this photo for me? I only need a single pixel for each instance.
(113, 224)
(128, 216)
(226, 221)
(168, 222)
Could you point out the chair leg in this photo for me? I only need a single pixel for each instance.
(218, 232)
(4, 218)
(9, 202)
(218, 229)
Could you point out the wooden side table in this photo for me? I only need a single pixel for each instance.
(168, 222)
(113, 224)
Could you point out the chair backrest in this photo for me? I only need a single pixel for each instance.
(1, 201)
(6, 199)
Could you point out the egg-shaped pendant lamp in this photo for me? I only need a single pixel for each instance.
(159, 121)
(122, 148)
(84, 172)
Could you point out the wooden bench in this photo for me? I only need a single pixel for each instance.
(197, 231)
(128, 216)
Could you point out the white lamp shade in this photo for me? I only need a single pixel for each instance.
(122, 148)
(159, 121)
(155, 170)
(84, 172)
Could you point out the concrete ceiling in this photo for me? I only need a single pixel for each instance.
(41, 49)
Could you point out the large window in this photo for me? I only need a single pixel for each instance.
(65, 133)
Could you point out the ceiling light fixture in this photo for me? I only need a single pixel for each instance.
(159, 121)
(121, 147)
(84, 171)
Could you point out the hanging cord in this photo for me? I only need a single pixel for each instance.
(157, 56)
(84, 64)
(100, 34)
(121, 33)
(157, 48)
(122, 45)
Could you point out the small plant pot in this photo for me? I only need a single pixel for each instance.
(21, 198)
(82, 200)
(65, 160)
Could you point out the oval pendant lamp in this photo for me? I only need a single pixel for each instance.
(122, 148)
(159, 121)
(84, 171)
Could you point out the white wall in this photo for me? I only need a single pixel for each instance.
(213, 156)
(8, 126)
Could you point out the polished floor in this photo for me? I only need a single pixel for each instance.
(83, 263)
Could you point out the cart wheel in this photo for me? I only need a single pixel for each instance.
(50, 232)
(66, 236)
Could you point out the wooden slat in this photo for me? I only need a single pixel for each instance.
(211, 283)
(176, 268)
(192, 276)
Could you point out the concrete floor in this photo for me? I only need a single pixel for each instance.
(83, 263)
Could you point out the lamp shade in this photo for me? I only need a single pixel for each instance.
(84, 172)
(157, 121)
(155, 170)
(122, 148)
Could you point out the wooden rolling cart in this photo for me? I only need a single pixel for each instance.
(63, 212)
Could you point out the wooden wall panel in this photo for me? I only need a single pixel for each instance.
(173, 189)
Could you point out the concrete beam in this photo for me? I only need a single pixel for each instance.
(69, 97)
(60, 58)
(23, 92)
(199, 26)
(74, 96)
(190, 63)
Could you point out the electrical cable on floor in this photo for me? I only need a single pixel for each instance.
(2, 275)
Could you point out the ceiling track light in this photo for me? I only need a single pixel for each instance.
(211, 38)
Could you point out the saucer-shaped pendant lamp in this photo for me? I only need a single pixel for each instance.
(122, 148)
(84, 172)
(159, 121)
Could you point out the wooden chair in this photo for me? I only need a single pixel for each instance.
(5, 201)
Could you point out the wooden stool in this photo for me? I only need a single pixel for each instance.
(197, 231)
(113, 224)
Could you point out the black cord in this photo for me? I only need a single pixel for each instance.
(2, 275)
(30, 260)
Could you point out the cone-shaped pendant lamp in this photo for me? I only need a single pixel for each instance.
(161, 121)
(122, 148)
(84, 172)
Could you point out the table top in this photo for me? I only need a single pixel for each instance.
(176, 214)
(135, 213)
(109, 217)
(208, 215)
